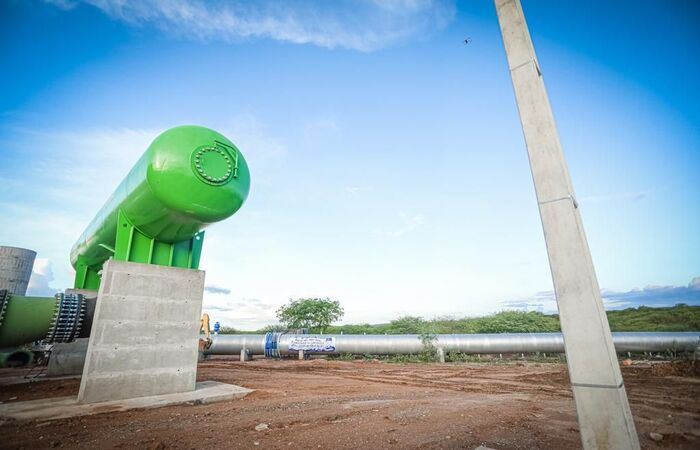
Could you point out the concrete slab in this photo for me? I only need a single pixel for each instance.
(63, 407)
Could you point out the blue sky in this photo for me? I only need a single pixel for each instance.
(388, 166)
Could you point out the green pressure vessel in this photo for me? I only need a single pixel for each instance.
(188, 178)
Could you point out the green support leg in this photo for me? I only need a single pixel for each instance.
(86, 277)
(132, 245)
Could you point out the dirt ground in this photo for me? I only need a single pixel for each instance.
(372, 405)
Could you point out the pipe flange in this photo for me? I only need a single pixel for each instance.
(4, 301)
(272, 344)
(68, 318)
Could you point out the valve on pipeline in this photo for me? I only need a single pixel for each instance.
(61, 318)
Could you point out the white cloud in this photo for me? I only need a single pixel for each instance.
(363, 25)
(694, 283)
(42, 276)
(217, 290)
(242, 313)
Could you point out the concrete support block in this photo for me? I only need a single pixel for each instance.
(67, 358)
(145, 332)
(245, 355)
(441, 354)
(301, 355)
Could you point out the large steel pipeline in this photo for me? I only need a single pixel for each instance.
(276, 344)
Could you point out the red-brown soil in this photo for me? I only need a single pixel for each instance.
(371, 405)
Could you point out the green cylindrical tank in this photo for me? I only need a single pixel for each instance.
(188, 178)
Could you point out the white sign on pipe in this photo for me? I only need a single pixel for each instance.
(312, 344)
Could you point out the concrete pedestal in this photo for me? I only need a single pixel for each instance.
(144, 333)
(68, 358)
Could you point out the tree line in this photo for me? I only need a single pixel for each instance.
(317, 316)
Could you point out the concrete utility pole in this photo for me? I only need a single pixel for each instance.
(604, 414)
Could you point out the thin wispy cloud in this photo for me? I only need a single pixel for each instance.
(217, 290)
(363, 25)
(261, 148)
(80, 170)
(623, 197)
(74, 162)
(352, 190)
(409, 224)
(246, 313)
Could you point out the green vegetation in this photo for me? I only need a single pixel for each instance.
(680, 317)
(228, 330)
(430, 352)
(503, 322)
(313, 313)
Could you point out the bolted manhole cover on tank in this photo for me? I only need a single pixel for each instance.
(213, 164)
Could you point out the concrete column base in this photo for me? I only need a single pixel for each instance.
(441, 355)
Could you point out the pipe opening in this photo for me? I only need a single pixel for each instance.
(19, 358)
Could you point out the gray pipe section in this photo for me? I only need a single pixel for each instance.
(380, 344)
